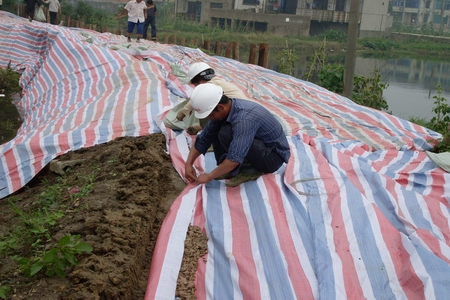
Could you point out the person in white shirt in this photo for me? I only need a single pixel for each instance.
(54, 8)
(181, 115)
(137, 13)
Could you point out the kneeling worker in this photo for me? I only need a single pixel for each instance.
(247, 139)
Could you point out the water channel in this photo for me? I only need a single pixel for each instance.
(412, 82)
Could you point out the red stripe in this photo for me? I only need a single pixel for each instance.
(408, 279)
(300, 282)
(350, 277)
(242, 250)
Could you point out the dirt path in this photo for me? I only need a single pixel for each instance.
(115, 197)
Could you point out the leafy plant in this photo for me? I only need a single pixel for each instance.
(441, 108)
(9, 86)
(56, 260)
(316, 62)
(368, 91)
(331, 77)
(4, 290)
(380, 45)
(286, 60)
(334, 35)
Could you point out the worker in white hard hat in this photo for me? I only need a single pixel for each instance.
(200, 73)
(248, 140)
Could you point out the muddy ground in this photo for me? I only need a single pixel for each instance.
(115, 197)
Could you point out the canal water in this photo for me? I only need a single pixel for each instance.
(412, 82)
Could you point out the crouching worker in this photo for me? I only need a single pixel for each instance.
(248, 140)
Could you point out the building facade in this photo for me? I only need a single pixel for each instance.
(289, 17)
(419, 12)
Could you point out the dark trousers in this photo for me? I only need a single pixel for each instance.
(31, 5)
(262, 158)
(152, 22)
(53, 17)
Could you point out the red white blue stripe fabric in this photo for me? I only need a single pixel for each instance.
(358, 212)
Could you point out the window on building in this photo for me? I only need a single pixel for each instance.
(216, 5)
(250, 2)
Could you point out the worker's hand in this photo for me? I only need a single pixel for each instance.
(180, 116)
(189, 173)
(203, 178)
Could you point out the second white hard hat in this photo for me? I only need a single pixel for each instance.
(197, 68)
(205, 98)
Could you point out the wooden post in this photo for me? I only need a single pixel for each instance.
(350, 56)
(263, 54)
(207, 45)
(173, 39)
(218, 48)
(182, 41)
(228, 49)
(194, 42)
(252, 54)
(166, 39)
(236, 50)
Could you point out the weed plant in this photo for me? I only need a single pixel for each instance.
(28, 240)
(286, 61)
(55, 260)
(9, 117)
(4, 290)
(333, 35)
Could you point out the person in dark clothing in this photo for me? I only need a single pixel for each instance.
(248, 140)
(31, 5)
(150, 20)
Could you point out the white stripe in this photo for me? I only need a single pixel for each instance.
(172, 262)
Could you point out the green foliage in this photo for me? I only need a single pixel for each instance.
(442, 146)
(4, 290)
(368, 91)
(9, 84)
(89, 15)
(286, 60)
(56, 260)
(440, 122)
(428, 29)
(331, 77)
(33, 227)
(39, 221)
(316, 62)
(441, 108)
(333, 35)
(380, 45)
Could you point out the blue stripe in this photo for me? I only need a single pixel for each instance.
(273, 263)
(223, 286)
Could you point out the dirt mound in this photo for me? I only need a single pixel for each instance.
(115, 197)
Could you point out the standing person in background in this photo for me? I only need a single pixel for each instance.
(137, 13)
(150, 20)
(31, 5)
(54, 8)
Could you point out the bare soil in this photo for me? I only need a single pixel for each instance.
(133, 185)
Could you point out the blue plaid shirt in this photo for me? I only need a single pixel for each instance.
(249, 121)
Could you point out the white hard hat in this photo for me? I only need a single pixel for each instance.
(197, 68)
(205, 98)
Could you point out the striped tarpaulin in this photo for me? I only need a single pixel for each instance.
(358, 212)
